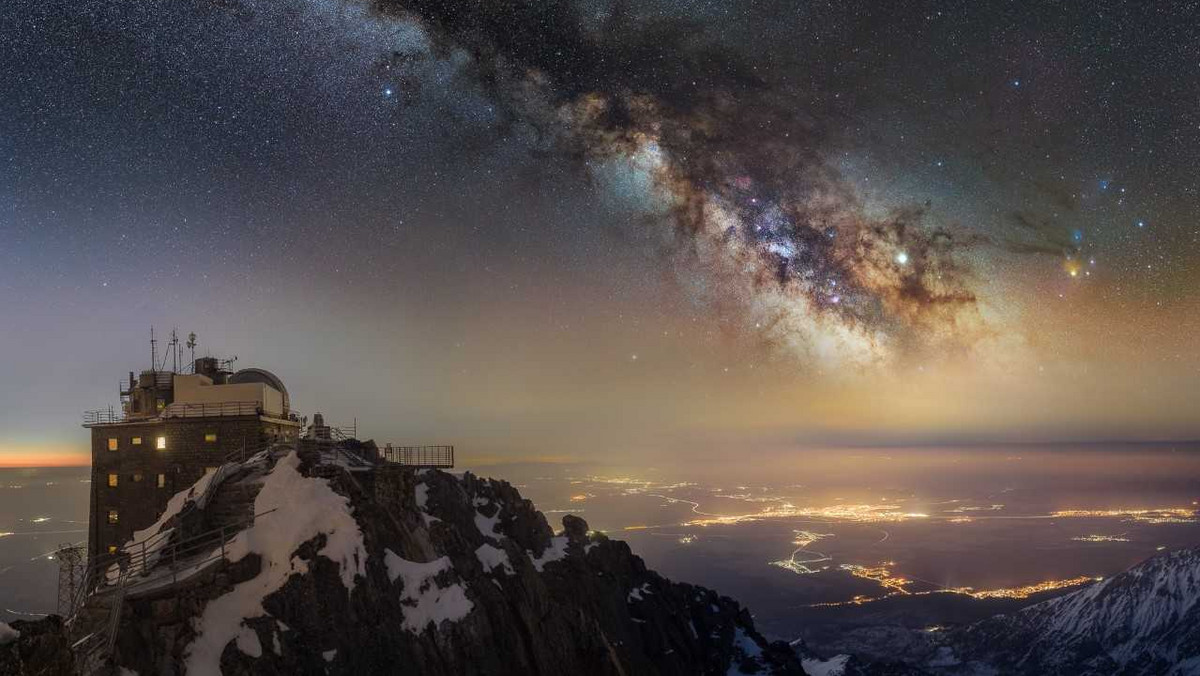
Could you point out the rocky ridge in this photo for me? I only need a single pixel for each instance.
(401, 571)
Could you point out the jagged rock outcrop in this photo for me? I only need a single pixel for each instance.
(400, 571)
(35, 647)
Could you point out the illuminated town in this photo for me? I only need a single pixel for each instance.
(1165, 515)
(767, 505)
(899, 586)
(1100, 538)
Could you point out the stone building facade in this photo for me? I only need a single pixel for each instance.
(147, 452)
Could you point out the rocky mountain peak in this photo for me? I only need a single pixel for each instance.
(396, 570)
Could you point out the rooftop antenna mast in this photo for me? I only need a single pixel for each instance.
(153, 351)
(174, 351)
(191, 344)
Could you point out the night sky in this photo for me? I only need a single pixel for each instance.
(579, 230)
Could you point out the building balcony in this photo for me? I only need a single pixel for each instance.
(223, 409)
(220, 409)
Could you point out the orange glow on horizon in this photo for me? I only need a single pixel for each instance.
(14, 456)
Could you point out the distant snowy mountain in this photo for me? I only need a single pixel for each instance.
(1144, 621)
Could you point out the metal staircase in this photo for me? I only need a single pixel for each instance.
(162, 560)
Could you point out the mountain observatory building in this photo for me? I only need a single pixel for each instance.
(171, 428)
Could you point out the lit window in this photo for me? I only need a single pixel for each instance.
(112, 444)
(137, 477)
(112, 480)
(136, 441)
(112, 549)
(210, 437)
(161, 443)
(112, 516)
(162, 480)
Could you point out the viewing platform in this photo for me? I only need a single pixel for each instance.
(439, 457)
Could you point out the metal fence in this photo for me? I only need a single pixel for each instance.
(110, 415)
(104, 416)
(419, 456)
(224, 408)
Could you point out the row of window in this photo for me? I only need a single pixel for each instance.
(160, 443)
(114, 479)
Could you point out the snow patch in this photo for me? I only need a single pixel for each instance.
(422, 495)
(430, 604)
(8, 634)
(493, 558)
(556, 551)
(487, 525)
(248, 643)
(635, 594)
(944, 658)
(307, 508)
(750, 649)
(174, 506)
(834, 666)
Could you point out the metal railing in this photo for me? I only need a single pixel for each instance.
(419, 456)
(130, 568)
(133, 568)
(246, 451)
(104, 416)
(224, 408)
(144, 555)
(110, 415)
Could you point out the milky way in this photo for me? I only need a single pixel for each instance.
(756, 206)
(983, 213)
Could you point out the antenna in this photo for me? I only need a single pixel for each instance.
(174, 351)
(191, 343)
(153, 351)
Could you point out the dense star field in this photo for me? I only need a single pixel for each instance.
(571, 229)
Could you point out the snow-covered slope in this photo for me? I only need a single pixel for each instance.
(1141, 622)
(396, 570)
